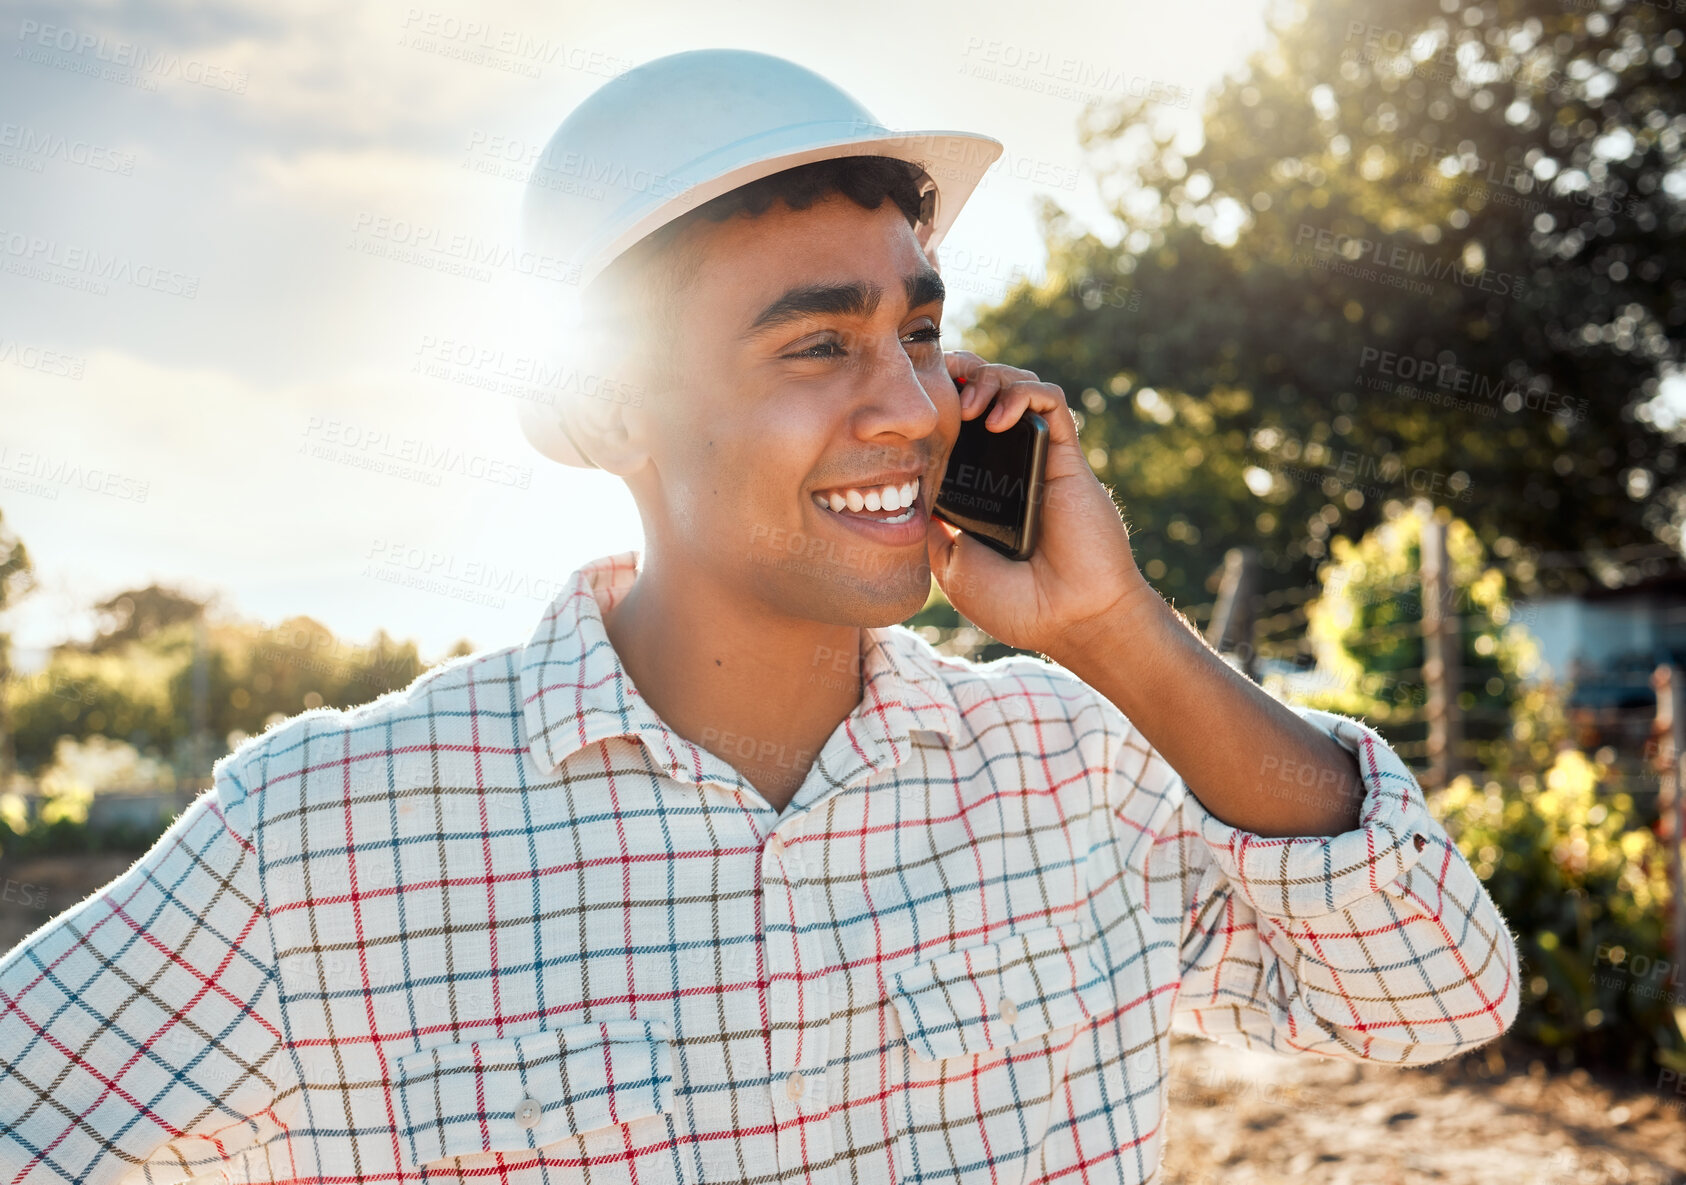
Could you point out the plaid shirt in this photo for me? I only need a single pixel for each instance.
(506, 925)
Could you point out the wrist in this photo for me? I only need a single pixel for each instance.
(1129, 632)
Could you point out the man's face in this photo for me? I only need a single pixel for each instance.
(810, 376)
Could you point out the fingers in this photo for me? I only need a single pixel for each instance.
(1009, 406)
(1011, 388)
(963, 364)
(982, 381)
(1045, 399)
(939, 544)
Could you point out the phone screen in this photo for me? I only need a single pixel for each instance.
(992, 488)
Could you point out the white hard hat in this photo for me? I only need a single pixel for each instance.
(663, 138)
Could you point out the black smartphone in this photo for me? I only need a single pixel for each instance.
(992, 488)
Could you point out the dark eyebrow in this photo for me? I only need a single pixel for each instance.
(924, 287)
(843, 300)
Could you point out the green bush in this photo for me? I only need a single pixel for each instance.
(73, 837)
(1583, 887)
(1562, 848)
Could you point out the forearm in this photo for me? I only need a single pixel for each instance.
(1249, 759)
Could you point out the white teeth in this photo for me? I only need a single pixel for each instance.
(885, 498)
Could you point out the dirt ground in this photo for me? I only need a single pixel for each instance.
(1242, 1118)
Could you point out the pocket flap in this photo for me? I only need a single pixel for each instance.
(463, 1099)
(985, 997)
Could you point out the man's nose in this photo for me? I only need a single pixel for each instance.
(895, 402)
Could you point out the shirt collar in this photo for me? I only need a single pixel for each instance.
(575, 691)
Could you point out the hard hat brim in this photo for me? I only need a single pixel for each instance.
(955, 161)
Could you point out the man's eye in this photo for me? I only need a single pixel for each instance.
(813, 351)
(834, 349)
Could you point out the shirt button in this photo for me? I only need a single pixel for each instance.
(1009, 1011)
(527, 1113)
(793, 1085)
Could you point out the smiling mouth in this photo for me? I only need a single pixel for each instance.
(882, 504)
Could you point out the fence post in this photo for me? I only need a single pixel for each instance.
(1670, 731)
(1231, 628)
(1442, 655)
(201, 694)
(8, 750)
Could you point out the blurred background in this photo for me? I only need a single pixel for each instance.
(1373, 315)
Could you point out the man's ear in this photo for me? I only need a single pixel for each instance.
(609, 426)
(608, 408)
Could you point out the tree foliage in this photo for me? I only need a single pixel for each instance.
(1558, 838)
(132, 615)
(1429, 249)
(1365, 628)
(160, 668)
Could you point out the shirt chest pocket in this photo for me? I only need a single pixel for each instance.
(1011, 1049)
(515, 1094)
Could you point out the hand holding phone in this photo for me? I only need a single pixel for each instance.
(992, 489)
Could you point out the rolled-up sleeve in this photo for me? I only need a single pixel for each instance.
(139, 1030)
(1378, 944)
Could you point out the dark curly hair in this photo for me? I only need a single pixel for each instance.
(636, 298)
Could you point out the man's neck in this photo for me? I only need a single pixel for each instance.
(761, 691)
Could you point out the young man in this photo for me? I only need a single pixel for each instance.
(723, 876)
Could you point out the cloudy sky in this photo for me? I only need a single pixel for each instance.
(215, 373)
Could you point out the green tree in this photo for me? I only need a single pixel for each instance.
(16, 577)
(137, 613)
(1365, 628)
(140, 689)
(1427, 249)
